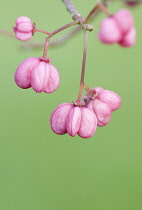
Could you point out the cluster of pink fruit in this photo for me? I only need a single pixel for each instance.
(83, 120)
(118, 28)
(96, 108)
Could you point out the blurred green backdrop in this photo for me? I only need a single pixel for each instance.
(40, 170)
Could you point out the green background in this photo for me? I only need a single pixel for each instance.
(40, 170)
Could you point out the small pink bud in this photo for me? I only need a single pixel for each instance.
(109, 32)
(129, 38)
(38, 74)
(102, 111)
(124, 20)
(111, 98)
(24, 28)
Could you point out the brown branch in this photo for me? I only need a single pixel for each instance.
(71, 8)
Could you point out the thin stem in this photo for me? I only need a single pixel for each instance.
(83, 67)
(63, 38)
(45, 48)
(98, 6)
(84, 56)
(89, 90)
(103, 8)
(64, 27)
(90, 14)
(53, 33)
(45, 32)
(59, 29)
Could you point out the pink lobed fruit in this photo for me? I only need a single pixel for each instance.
(124, 20)
(109, 32)
(44, 77)
(38, 74)
(58, 119)
(24, 28)
(23, 72)
(129, 39)
(102, 104)
(102, 111)
(88, 124)
(118, 28)
(71, 119)
(111, 98)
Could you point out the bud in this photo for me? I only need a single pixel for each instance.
(24, 28)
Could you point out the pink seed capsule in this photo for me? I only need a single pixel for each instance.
(59, 117)
(102, 111)
(111, 98)
(23, 72)
(124, 20)
(24, 28)
(88, 124)
(119, 28)
(129, 39)
(44, 77)
(38, 74)
(109, 32)
(73, 121)
(68, 118)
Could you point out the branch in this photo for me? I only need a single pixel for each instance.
(53, 43)
(71, 8)
(64, 38)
